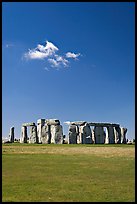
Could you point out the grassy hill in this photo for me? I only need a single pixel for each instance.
(68, 173)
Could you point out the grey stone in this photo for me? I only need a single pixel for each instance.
(99, 135)
(28, 124)
(117, 133)
(11, 134)
(52, 122)
(94, 124)
(40, 124)
(123, 135)
(24, 137)
(110, 136)
(56, 134)
(85, 136)
(33, 135)
(45, 134)
(72, 136)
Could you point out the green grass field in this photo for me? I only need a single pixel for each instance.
(68, 173)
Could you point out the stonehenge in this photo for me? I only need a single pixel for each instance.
(102, 133)
(47, 131)
(50, 131)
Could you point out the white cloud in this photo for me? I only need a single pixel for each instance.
(49, 52)
(34, 54)
(50, 46)
(72, 55)
(41, 52)
(62, 60)
(53, 62)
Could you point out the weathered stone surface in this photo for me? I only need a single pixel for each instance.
(72, 136)
(23, 138)
(94, 124)
(103, 124)
(33, 135)
(99, 135)
(52, 122)
(28, 124)
(85, 136)
(110, 136)
(123, 135)
(11, 134)
(117, 133)
(45, 134)
(40, 124)
(93, 136)
(56, 134)
(41, 121)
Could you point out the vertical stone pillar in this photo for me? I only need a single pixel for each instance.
(23, 138)
(85, 134)
(117, 133)
(56, 134)
(93, 135)
(40, 124)
(45, 134)
(123, 135)
(11, 135)
(99, 135)
(110, 136)
(72, 136)
(107, 136)
(33, 135)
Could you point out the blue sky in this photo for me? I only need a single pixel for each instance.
(70, 61)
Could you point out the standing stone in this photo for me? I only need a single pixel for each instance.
(72, 136)
(85, 136)
(123, 135)
(110, 136)
(40, 124)
(56, 134)
(45, 134)
(33, 135)
(93, 136)
(11, 135)
(99, 135)
(23, 138)
(107, 136)
(117, 133)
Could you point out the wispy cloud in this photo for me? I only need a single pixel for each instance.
(49, 52)
(46, 68)
(72, 55)
(9, 45)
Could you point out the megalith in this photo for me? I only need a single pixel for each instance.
(23, 138)
(11, 134)
(110, 136)
(45, 134)
(56, 134)
(117, 134)
(40, 124)
(85, 135)
(33, 134)
(72, 135)
(99, 135)
(123, 135)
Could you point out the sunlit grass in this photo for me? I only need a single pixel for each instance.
(66, 176)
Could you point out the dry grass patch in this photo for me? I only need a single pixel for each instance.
(70, 150)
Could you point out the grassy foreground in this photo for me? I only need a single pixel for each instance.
(68, 173)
